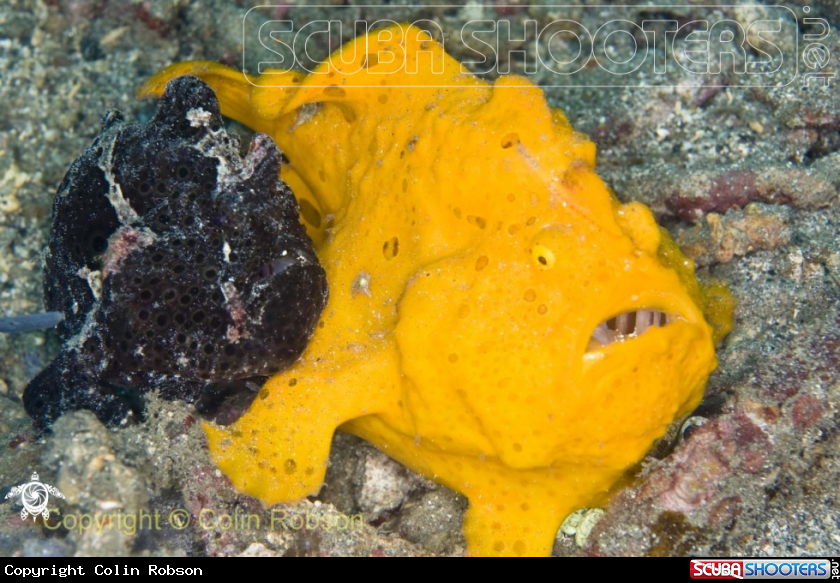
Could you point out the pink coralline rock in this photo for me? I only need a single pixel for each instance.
(706, 192)
(699, 467)
(806, 412)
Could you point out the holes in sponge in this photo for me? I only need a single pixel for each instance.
(543, 256)
(98, 244)
(391, 248)
(510, 140)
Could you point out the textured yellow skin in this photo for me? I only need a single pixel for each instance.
(463, 354)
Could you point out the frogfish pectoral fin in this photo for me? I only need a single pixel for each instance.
(278, 451)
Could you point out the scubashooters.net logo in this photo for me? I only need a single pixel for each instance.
(763, 569)
(628, 46)
(35, 497)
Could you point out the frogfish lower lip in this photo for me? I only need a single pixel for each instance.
(628, 325)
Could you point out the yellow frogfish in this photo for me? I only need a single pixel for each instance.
(497, 320)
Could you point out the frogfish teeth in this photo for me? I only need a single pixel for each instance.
(497, 320)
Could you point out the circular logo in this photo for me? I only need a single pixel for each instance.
(34, 496)
(179, 519)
